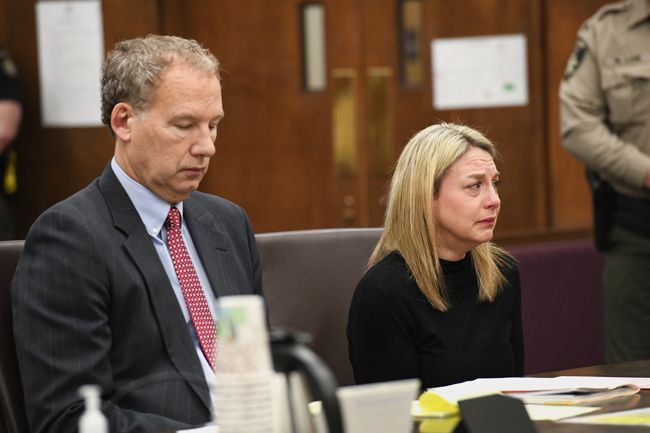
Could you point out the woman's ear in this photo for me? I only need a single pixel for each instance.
(121, 121)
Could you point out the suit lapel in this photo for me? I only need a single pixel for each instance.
(177, 339)
(211, 245)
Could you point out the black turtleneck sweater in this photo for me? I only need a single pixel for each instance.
(394, 332)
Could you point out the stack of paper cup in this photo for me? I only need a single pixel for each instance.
(244, 372)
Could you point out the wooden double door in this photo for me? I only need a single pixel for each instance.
(296, 158)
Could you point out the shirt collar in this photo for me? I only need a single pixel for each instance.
(640, 12)
(152, 209)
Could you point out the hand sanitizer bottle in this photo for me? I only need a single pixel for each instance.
(92, 420)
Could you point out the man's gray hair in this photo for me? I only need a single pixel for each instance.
(133, 68)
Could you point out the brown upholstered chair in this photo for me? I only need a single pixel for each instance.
(11, 393)
(309, 277)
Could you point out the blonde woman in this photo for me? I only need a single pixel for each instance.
(439, 301)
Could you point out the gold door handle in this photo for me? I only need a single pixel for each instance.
(380, 120)
(344, 121)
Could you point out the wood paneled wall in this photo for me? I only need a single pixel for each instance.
(519, 132)
(570, 199)
(267, 162)
(3, 23)
(56, 162)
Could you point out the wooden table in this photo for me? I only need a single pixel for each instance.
(625, 369)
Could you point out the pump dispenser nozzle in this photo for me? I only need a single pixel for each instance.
(92, 420)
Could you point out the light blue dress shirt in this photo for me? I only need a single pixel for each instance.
(153, 212)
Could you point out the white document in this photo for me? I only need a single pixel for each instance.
(481, 387)
(378, 407)
(603, 381)
(70, 54)
(475, 72)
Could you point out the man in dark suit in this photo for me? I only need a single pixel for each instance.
(98, 296)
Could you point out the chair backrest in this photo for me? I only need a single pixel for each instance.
(562, 304)
(11, 392)
(309, 277)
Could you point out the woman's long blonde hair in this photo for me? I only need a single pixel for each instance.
(410, 226)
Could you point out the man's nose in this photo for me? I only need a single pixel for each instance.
(205, 143)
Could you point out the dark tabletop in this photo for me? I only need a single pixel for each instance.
(625, 369)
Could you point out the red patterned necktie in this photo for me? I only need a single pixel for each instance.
(190, 285)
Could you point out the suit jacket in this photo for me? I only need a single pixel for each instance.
(92, 305)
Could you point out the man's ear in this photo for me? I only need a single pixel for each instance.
(121, 121)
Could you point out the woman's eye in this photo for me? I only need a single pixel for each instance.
(476, 185)
(496, 184)
(183, 126)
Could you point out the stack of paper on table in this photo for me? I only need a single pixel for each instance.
(505, 385)
(536, 412)
(571, 396)
(533, 385)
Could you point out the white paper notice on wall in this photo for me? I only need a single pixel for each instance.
(479, 72)
(70, 54)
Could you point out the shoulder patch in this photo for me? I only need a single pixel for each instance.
(576, 58)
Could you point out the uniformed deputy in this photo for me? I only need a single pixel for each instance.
(605, 122)
(10, 116)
